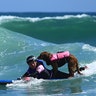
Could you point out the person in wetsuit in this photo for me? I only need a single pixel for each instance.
(36, 69)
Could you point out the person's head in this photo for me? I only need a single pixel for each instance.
(31, 61)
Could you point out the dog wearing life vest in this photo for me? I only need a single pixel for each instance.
(59, 59)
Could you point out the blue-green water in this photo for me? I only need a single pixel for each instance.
(24, 34)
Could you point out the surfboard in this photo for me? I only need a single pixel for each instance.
(4, 82)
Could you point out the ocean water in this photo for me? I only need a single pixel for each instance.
(24, 34)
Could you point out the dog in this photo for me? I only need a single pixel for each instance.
(59, 59)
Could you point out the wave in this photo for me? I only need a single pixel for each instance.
(34, 19)
(57, 29)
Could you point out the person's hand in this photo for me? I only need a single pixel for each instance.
(26, 78)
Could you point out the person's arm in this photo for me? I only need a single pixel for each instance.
(43, 71)
(25, 75)
(35, 75)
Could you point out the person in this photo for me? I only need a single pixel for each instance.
(59, 59)
(36, 69)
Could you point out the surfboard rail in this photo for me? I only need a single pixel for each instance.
(4, 82)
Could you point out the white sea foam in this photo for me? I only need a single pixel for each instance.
(57, 17)
(35, 19)
(22, 83)
(88, 47)
(91, 70)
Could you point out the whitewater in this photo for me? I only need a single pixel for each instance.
(24, 35)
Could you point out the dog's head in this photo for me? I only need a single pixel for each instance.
(45, 56)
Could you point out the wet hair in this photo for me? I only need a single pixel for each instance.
(30, 58)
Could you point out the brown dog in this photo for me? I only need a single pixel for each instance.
(59, 59)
